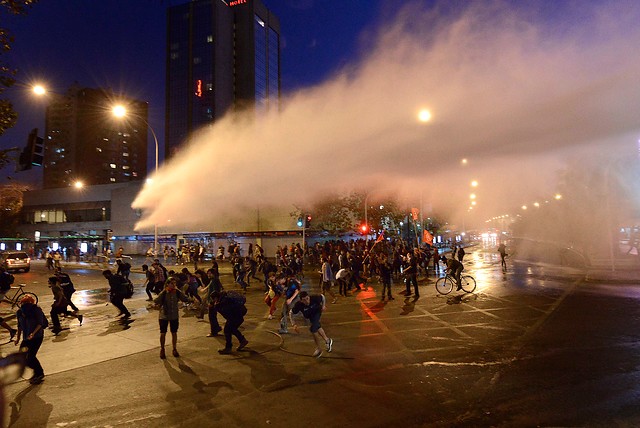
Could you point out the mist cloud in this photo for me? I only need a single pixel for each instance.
(513, 93)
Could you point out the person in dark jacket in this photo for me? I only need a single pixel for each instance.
(214, 288)
(231, 305)
(124, 268)
(67, 287)
(117, 291)
(59, 305)
(312, 307)
(31, 325)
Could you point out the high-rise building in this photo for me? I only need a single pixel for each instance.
(84, 142)
(221, 56)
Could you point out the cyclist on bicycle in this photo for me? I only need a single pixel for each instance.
(454, 268)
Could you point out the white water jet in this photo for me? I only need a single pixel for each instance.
(510, 91)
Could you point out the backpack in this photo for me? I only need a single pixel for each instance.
(236, 298)
(128, 289)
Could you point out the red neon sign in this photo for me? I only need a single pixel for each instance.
(199, 88)
(237, 2)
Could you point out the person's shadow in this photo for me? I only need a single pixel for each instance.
(268, 375)
(188, 381)
(409, 305)
(29, 409)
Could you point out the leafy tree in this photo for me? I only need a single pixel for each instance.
(10, 206)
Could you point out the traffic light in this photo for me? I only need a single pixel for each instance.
(33, 153)
(299, 222)
(307, 221)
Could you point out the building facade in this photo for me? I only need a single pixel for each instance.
(221, 56)
(85, 143)
(100, 217)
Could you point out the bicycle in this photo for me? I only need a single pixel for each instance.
(445, 284)
(18, 295)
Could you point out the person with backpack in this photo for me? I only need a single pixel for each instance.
(231, 305)
(124, 268)
(117, 292)
(59, 305)
(67, 287)
(167, 301)
(31, 326)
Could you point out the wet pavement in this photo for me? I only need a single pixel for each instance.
(528, 348)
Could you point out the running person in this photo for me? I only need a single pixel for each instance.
(312, 307)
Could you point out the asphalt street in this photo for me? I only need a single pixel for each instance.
(526, 349)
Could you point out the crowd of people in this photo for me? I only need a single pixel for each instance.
(351, 265)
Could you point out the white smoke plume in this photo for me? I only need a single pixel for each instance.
(513, 92)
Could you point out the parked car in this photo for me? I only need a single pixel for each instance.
(15, 260)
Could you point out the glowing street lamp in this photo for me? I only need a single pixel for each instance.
(474, 183)
(78, 184)
(424, 115)
(39, 90)
(120, 111)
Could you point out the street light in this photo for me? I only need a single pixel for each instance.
(120, 111)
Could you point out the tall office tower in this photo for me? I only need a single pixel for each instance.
(221, 56)
(85, 142)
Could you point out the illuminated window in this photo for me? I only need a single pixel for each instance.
(98, 149)
(209, 38)
(125, 167)
(113, 165)
(125, 154)
(112, 179)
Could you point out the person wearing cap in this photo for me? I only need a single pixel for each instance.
(31, 325)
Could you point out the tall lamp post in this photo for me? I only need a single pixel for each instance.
(120, 111)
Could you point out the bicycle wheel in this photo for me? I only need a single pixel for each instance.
(468, 283)
(444, 285)
(22, 295)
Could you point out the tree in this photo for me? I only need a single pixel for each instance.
(10, 206)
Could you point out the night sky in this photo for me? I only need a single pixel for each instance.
(120, 44)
